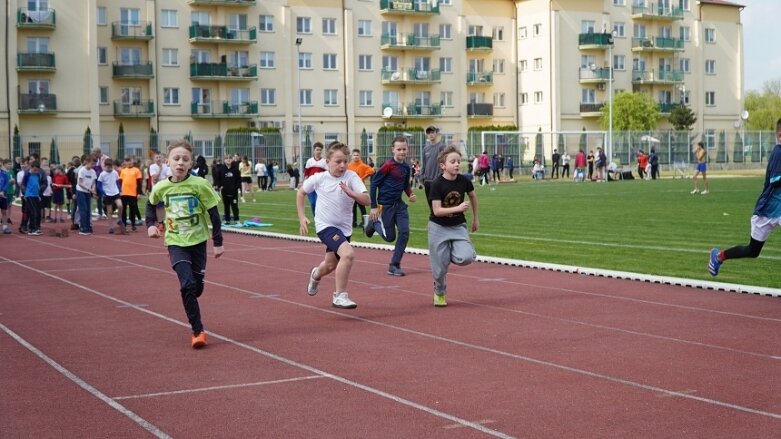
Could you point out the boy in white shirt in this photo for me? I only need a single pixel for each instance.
(85, 190)
(111, 198)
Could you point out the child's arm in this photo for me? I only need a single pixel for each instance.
(303, 221)
(360, 197)
(436, 207)
(473, 203)
(150, 220)
(214, 217)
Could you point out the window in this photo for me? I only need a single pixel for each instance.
(685, 65)
(524, 98)
(238, 58)
(305, 96)
(639, 31)
(329, 61)
(204, 147)
(329, 26)
(364, 62)
(685, 5)
(537, 29)
(266, 23)
(364, 28)
(199, 18)
(366, 98)
(498, 33)
(588, 96)
(170, 57)
(268, 96)
(710, 67)
(305, 60)
(267, 60)
(130, 56)
(619, 62)
(475, 31)
(237, 22)
(499, 66)
(588, 61)
(303, 25)
(537, 63)
(446, 65)
(102, 56)
(587, 26)
(239, 96)
(710, 98)
(446, 2)
(446, 98)
(619, 2)
(522, 32)
(129, 16)
(168, 18)
(710, 35)
(619, 29)
(103, 95)
(199, 56)
(329, 97)
(499, 100)
(446, 31)
(524, 65)
(390, 63)
(686, 34)
(170, 96)
(101, 17)
(537, 97)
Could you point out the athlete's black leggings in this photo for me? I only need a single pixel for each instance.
(751, 250)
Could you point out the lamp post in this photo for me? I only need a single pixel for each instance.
(610, 98)
(300, 126)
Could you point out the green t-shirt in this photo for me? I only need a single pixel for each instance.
(187, 203)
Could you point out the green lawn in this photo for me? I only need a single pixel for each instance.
(653, 227)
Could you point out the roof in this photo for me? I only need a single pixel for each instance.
(722, 3)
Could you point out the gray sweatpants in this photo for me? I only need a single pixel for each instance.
(446, 245)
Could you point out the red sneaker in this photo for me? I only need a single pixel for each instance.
(199, 340)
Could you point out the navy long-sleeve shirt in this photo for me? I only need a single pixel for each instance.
(389, 182)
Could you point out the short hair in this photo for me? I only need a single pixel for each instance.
(6, 161)
(35, 164)
(701, 144)
(357, 150)
(320, 145)
(179, 143)
(401, 139)
(445, 152)
(87, 159)
(778, 126)
(338, 146)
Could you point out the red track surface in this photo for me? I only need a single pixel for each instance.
(94, 343)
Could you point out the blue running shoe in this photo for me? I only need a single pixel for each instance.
(714, 263)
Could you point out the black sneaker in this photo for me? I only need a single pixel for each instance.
(395, 271)
(368, 226)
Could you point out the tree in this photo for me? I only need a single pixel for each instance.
(682, 118)
(631, 112)
(763, 109)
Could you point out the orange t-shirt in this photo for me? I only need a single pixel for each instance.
(362, 169)
(130, 177)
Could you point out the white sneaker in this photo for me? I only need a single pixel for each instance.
(313, 285)
(341, 300)
(704, 192)
(694, 192)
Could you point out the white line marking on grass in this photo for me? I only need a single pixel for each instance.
(212, 388)
(146, 425)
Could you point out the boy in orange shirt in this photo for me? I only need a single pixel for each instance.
(130, 189)
(364, 171)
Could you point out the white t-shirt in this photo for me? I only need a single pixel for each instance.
(260, 169)
(334, 207)
(312, 163)
(48, 191)
(109, 182)
(86, 178)
(162, 174)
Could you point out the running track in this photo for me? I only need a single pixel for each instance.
(94, 343)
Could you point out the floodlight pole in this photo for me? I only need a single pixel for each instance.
(610, 99)
(300, 126)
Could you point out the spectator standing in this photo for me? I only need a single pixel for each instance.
(556, 162)
(510, 166)
(131, 183)
(245, 170)
(260, 171)
(590, 160)
(315, 165)
(702, 168)
(653, 160)
(228, 183)
(580, 165)
(565, 158)
(363, 171)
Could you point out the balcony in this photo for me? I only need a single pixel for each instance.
(667, 107)
(413, 111)
(222, 34)
(479, 78)
(591, 40)
(131, 31)
(411, 76)
(650, 77)
(656, 12)
(237, 3)
(409, 42)
(409, 7)
(222, 72)
(477, 110)
(598, 75)
(35, 62)
(133, 71)
(37, 104)
(223, 110)
(137, 109)
(590, 109)
(27, 19)
(657, 44)
(476, 43)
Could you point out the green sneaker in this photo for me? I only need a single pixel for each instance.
(439, 300)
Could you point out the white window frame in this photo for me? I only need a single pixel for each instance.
(330, 97)
(685, 33)
(446, 31)
(267, 60)
(303, 25)
(103, 95)
(523, 65)
(710, 35)
(366, 98)
(305, 61)
(171, 96)
(537, 64)
(266, 23)
(169, 18)
(329, 26)
(364, 28)
(684, 64)
(524, 99)
(101, 17)
(330, 61)
(102, 56)
(523, 33)
(538, 96)
(537, 29)
(170, 57)
(305, 97)
(710, 66)
(498, 67)
(446, 65)
(268, 97)
(500, 100)
(446, 99)
(365, 63)
(497, 34)
(710, 98)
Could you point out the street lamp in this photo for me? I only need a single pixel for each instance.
(610, 98)
(300, 126)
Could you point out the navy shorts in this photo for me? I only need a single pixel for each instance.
(194, 254)
(3, 203)
(332, 237)
(109, 200)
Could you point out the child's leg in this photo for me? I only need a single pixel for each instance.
(235, 208)
(401, 220)
(343, 266)
(439, 253)
(189, 263)
(226, 206)
(327, 265)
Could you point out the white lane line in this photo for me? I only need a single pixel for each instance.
(146, 425)
(212, 388)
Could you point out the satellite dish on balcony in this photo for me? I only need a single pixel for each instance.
(41, 107)
(744, 115)
(387, 112)
(395, 76)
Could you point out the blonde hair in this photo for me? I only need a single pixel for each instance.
(179, 143)
(339, 146)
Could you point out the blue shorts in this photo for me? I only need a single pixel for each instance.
(701, 167)
(3, 203)
(332, 237)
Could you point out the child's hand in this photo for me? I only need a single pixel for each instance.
(463, 207)
(413, 198)
(218, 251)
(153, 232)
(303, 228)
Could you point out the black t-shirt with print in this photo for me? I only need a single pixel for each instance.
(450, 193)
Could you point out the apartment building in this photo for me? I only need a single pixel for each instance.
(337, 68)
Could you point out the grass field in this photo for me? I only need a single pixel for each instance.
(654, 227)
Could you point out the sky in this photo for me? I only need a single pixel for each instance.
(762, 60)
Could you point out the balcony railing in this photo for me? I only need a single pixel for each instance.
(35, 62)
(668, 107)
(140, 109)
(416, 111)
(591, 40)
(409, 41)
(477, 42)
(240, 3)
(590, 109)
(474, 109)
(133, 71)
(411, 76)
(131, 31)
(415, 7)
(657, 77)
(224, 109)
(480, 78)
(37, 103)
(222, 71)
(599, 74)
(222, 34)
(657, 44)
(41, 19)
(657, 11)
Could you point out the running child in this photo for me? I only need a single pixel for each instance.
(389, 212)
(188, 201)
(766, 217)
(448, 239)
(364, 171)
(337, 190)
(702, 159)
(108, 179)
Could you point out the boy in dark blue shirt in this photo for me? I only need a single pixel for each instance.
(33, 184)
